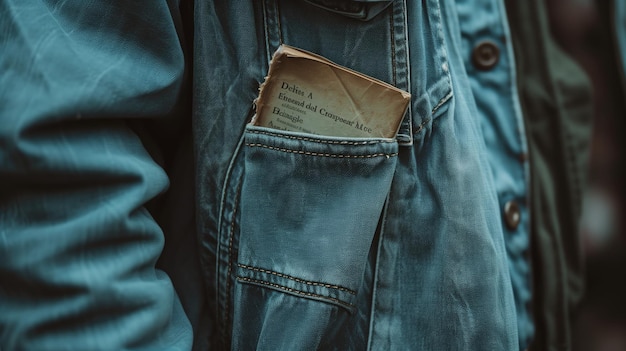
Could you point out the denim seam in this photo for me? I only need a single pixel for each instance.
(339, 142)
(266, 31)
(393, 47)
(273, 31)
(441, 102)
(421, 126)
(376, 281)
(294, 291)
(310, 153)
(442, 52)
(224, 316)
(308, 282)
(407, 63)
(230, 251)
(401, 67)
(279, 23)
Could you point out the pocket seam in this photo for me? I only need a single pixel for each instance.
(338, 142)
(294, 291)
(298, 280)
(320, 154)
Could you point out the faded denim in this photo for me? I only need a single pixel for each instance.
(496, 95)
(427, 268)
(303, 242)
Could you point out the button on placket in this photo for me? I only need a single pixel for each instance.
(485, 55)
(512, 214)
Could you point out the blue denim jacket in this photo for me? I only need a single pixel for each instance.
(301, 242)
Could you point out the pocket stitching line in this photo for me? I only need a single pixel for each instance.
(421, 126)
(297, 292)
(340, 142)
(310, 153)
(441, 102)
(308, 282)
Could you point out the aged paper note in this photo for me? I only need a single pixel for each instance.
(308, 93)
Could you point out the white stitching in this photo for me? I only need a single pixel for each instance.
(339, 142)
(309, 153)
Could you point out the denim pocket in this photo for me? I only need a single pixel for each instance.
(378, 47)
(309, 207)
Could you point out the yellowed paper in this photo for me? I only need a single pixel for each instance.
(307, 93)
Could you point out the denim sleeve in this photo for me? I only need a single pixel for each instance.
(77, 245)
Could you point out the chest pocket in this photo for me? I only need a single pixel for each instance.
(375, 38)
(300, 211)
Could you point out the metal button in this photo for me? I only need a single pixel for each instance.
(485, 55)
(512, 215)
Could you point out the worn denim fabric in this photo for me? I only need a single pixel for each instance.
(304, 242)
(77, 244)
(342, 263)
(495, 92)
(320, 200)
